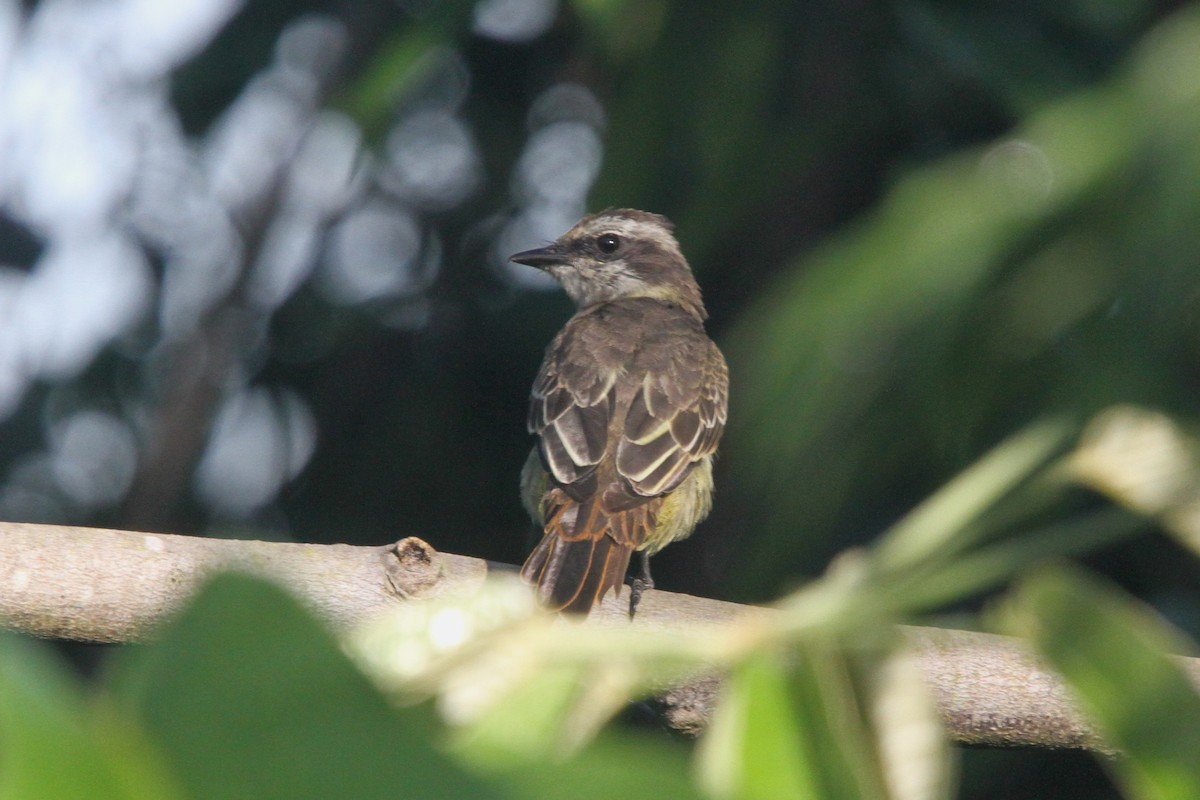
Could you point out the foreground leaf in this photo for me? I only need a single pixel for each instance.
(250, 696)
(1147, 462)
(1114, 655)
(941, 525)
(56, 745)
(792, 725)
(624, 764)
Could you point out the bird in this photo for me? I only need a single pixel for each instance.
(628, 408)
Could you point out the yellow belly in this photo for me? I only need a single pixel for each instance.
(680, 510)
(683, 508)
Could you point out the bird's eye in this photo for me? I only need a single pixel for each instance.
(608, 242)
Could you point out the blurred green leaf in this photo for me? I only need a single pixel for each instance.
(755, 747)
(1008, 282)
(249, 696)
(1013, 55)
(400, 63)
(790, 727)
(938, 527)
(55, 744)
(625, 29)
(623, 764)
(1117, 657)
(373, 98)
(516, 684)
(532, 721)
(914, 754)
(1147, 462)
(970, 573)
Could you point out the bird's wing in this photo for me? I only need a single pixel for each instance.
(675, 419)
(569, 409)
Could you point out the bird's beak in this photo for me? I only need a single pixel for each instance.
(542, 257)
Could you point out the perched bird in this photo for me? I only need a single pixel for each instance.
(628, 408)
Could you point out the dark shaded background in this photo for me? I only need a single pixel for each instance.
(253, 278)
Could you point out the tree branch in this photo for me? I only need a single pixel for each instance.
(97, 585)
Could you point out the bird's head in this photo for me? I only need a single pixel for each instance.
(616, 254)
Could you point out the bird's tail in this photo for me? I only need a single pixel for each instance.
(584, 552)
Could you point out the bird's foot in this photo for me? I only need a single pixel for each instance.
(636, 587)
(639, 585)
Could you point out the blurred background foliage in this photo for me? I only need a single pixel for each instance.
(253, 277)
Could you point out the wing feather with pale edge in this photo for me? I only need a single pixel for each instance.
(675, 419)
(569, 409)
